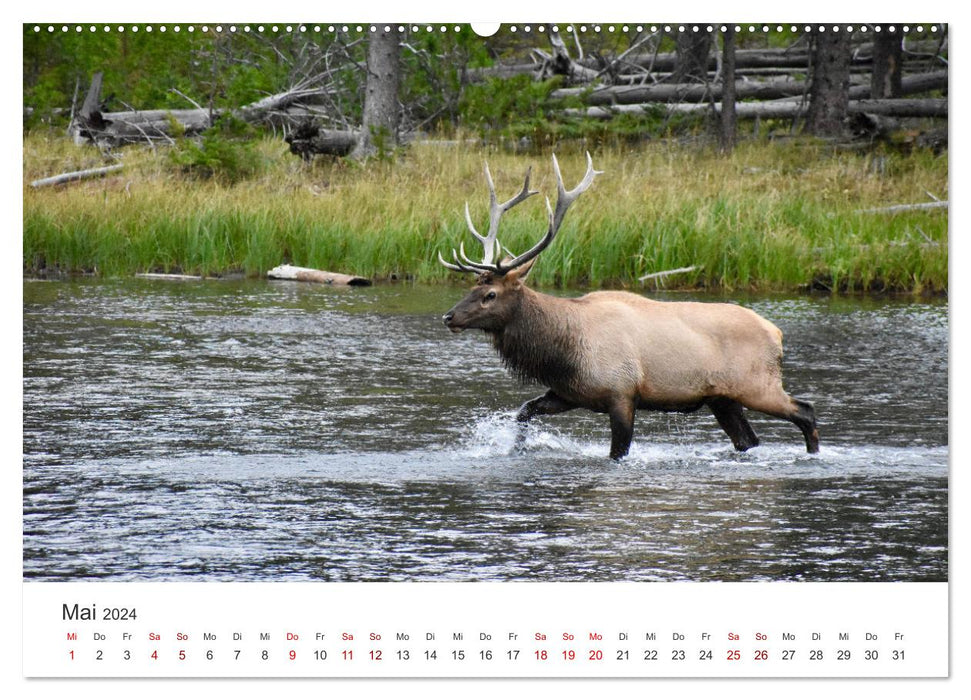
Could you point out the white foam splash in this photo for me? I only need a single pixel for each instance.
(495, 436)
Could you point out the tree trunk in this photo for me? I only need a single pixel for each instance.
(887, 63)
(829, 90)
(561, 63)
(692, 52)
(728, 116)
(379, 131)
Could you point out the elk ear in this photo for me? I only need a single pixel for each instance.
(520, 273)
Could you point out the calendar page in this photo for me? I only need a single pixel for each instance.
(316, 387)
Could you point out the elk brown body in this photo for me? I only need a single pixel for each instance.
(617, 352)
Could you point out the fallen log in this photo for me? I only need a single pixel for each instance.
(875, 127)
(662, 62)
(897, 208)
(683, 92)
(142, 126)
(930, 107)
(306, 274)
(909, 85)
(744, 58)
(659, 276)
(794, 57)
(781, 88)
(308, 140)
(896, 132)
(76, 175)
(133, 126)
(171, 277)
(786, 109)
(502, 71)
(638, 65)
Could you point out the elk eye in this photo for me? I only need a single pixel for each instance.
(490, 296)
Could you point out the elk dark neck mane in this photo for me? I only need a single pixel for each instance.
(539, 343)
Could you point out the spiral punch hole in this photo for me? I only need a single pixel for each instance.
(489, 29)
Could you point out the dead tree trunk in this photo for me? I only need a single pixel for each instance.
(886, 76)
(379, 130)
(728, 116)
(829, 90)
(693, 50)
(560, 62)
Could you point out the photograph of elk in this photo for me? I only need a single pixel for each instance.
(309, 302)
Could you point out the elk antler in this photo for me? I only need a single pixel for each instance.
(564, 199)
(491, 246)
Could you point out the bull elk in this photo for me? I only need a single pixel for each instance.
(616, 352)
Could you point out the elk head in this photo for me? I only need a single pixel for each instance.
(495, 298)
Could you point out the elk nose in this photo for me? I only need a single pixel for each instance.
(447, 318)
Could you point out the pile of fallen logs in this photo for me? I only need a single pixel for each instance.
(91, 125)
(768, 84)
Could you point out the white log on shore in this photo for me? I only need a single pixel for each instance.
(166, 276)
(306, 274)
(666, 273)
(76, 175)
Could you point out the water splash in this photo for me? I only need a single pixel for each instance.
(494, 436)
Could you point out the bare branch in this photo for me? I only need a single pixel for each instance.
(186, 98)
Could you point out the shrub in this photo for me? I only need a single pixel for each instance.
(221, 154)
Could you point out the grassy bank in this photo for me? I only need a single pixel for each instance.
(771, 216)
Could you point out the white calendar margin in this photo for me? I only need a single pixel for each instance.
(434, 10)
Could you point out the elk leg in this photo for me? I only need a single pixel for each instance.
(548, 404)
(800, 412)
(621, 428)
(805, 418)
(729, 415)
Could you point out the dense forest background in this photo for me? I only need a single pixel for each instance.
(232, 148)
(448, 77)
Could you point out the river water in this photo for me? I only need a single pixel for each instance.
(249, 430)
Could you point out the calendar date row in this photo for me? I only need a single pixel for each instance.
(486, 655)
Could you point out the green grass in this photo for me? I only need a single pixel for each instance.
(768, 217)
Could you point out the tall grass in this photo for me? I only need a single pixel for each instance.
(769, 216)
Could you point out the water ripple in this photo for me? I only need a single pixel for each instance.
(252, 431)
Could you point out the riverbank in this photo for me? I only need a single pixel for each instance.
(769, 217)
